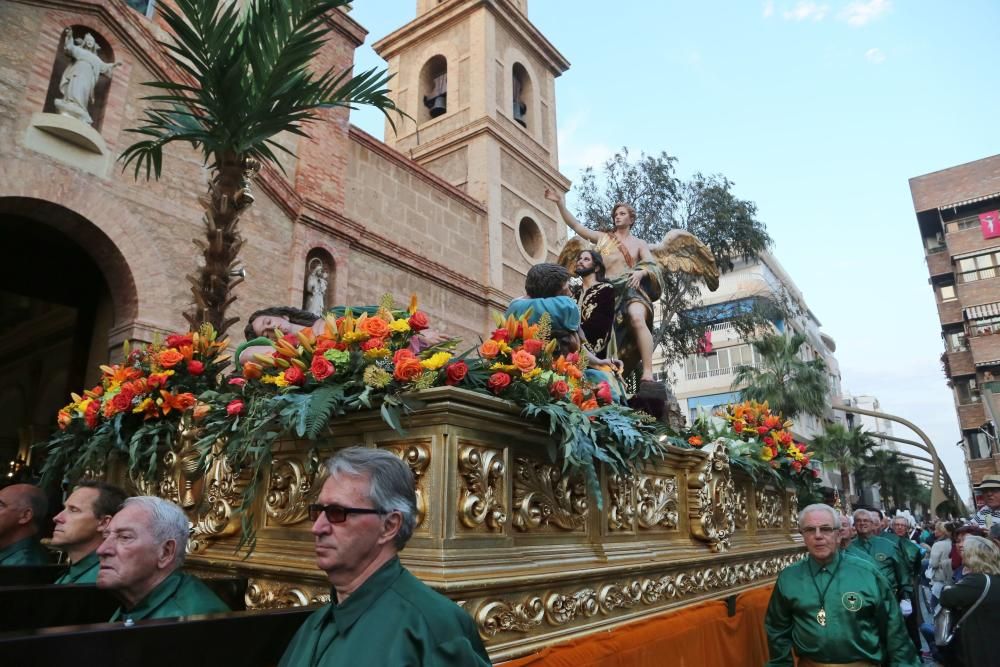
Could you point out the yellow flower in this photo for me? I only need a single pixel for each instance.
(377, 353)
(376, 377)
(436, 361)
(146, 402)
(532, 374)
(276, 380)
(353, 336)
(506, 368)
(399, 326)
(504, 347)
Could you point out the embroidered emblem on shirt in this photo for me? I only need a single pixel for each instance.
(852, 601)
(880, 557)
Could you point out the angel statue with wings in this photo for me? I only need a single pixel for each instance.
(635, 269)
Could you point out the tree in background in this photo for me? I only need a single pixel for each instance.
(895, 478)
(703, 205)
(844, 448)
(246, 78)
(781, 377)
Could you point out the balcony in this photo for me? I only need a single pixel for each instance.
(971, 415)
(960, 363)
(939, 262)
(950, 312)
(985, 348)
(979, 468)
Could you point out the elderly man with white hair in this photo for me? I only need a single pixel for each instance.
(883, 552)
(141, 556)
(833, 608)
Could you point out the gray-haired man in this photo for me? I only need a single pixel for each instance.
(141, 556)
(381, 614)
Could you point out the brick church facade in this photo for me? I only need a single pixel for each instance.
(450, 208)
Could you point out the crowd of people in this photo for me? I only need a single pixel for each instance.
(134, 547)
(874, 584)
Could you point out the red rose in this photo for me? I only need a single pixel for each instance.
(499, 335)
(418, 321)
(533, 346)
(738, 427)
(768, 440)
(559, 389)
(235, 407)
(405, 353)
(815, 472)
(90, 414)
(498, 382)
(762, 430)
(122, 401)
(177, 340)
(604, 392)
(455, 373)
(408, 369)
(324, 344)
(239, 382)
(796, 466)
(321, 367)
(195, 367)
(372, 344)
(573, 358)
(294, 375)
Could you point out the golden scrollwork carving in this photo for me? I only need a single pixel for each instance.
(293, 484)
(770, 509)
(714, 508)
(418, 457)
(263, 594)
(543, 496)
(793, 509)
(621, 502)
(215, 515)
(496, 616)
(656, 501)
(481, 502)
(563, 608)
(741, 505)
(560, 609)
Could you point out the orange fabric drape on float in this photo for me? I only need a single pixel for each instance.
(699, 636)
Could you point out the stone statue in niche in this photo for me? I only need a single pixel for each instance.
(80, 78)
(316, 286)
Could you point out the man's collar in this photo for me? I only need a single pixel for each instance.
(155, 597)
(85, 563)
(815, 567)
(367, 593)
(14, 547)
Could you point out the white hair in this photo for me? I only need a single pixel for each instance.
(820, 507)
(167, 521)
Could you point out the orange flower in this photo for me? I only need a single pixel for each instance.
(169, 358)
(252, 371)
(179, 402)
(489, 349)
(695, 440)
(589, 404)
(524, 360)
(408, 369)
(577, 396)
(64, 419)
(375, 327)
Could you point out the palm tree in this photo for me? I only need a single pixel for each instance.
(790, 385)
(888, 469)
(844, 448)
(246, 79)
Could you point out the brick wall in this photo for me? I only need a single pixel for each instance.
(985, 348)
(965, 181)
(939, 263)
(971, 416)
(960, 363)
(979, 468)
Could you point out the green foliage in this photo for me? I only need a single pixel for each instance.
(897, 481)
(844, 448)
(707, 207)
(250, 78)
(790, 385)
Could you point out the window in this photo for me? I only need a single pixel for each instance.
(946, 292)
(956, 341)
(963, 223)
(723, 361)
(966, 390)
(522, 94)
(984, 326)
(144, 7)
(979, 267)
(530, 236)
(978, 444)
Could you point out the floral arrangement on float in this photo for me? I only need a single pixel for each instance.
(137, 406)
(759, 441)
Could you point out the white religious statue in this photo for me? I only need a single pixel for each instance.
(316, 285)
(80, 78)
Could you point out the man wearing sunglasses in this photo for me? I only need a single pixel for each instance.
(832, 608)
(380, 613)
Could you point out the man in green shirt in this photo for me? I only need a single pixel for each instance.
(80, 526)
(23, 509)
(381, 614)
(832, 608)
(141, 555)
(909, 554)
(883, 552)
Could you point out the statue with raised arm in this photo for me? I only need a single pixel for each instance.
(635, 269)
(80, 78)
(316, 286)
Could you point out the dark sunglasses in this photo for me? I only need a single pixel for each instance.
(336, 513)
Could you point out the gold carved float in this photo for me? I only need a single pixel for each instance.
(501, 529)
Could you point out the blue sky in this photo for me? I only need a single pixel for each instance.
(820, 112)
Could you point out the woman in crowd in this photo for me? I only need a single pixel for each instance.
(975, 643)
(940, 560)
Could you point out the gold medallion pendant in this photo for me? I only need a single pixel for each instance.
(821, 616)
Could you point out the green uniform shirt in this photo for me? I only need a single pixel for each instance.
(909, 554)
(25, 552)
(885, 555)
(863, 621)
(84, 571)
(177, 595)
(392, 619)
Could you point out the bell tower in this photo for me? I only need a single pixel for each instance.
(478, 80)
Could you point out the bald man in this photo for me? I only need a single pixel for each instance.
(23, 509)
